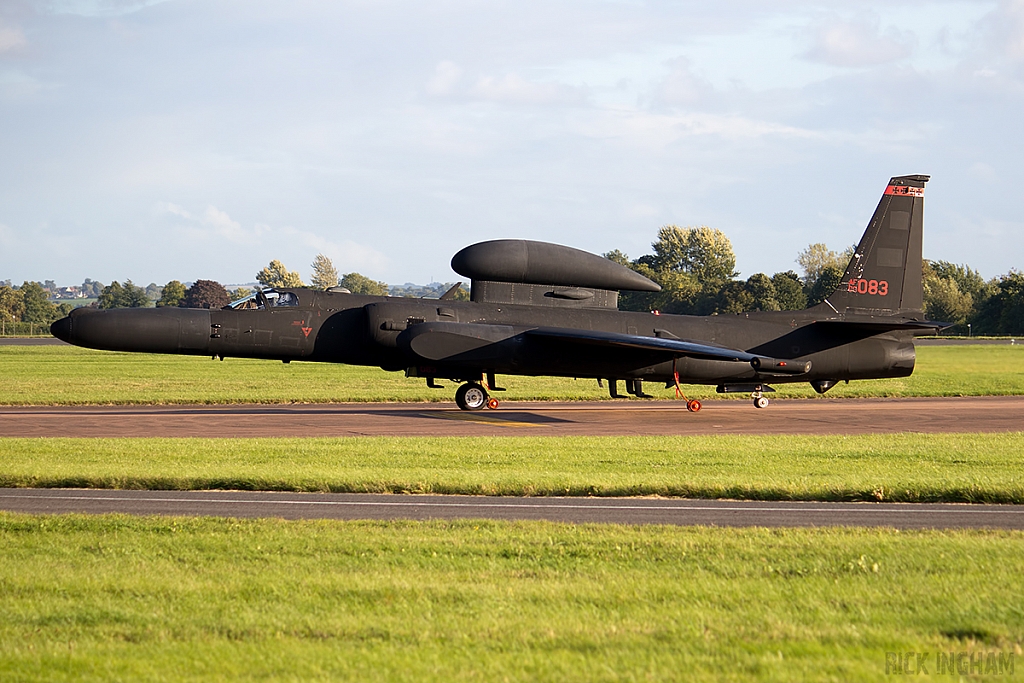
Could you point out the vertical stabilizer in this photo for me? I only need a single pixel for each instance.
(884, 275)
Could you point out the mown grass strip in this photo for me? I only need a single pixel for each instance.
(158, 599)
(65, 375)
(904, 467)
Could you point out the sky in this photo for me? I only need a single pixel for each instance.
(182, 139)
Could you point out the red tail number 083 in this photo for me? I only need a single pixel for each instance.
(871, 287)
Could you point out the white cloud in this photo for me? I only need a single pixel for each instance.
(658, 131)
(283, 129)
(347, 255)
(445, 79)
(216, 227)
(11, 38)
(221, 224)
(1006, 29)
(212, 223)
(858, 43)
(7, 236)
(99, 8)
(682, 87)
(514, 89)
(173, 209)
(448, 81)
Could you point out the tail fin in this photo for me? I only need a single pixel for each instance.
(884, 275)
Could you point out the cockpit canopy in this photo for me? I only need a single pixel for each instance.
(267, 298)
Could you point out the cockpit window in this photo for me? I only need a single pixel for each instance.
(287, 299)
(245, 303)
(264, 299)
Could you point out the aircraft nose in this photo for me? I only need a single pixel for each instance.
(61, 329)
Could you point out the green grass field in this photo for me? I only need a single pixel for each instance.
(167, 599)
(905, 467)
(49, 375)
(120, 598)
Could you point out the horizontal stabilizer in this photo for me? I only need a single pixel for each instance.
(882, 325)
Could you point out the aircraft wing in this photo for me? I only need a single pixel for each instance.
(672, 348)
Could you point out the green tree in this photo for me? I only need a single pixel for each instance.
(691, 265)
(618, 257)
(37, 307)
(943, 298)
(762, 289)
(1011, 289)
(680, 292)
(128, 295)
(827, 282)
(816, 257)
(637, 301)
(135, 297)
(360, 284)
(172, 294)
(277, 275)
(706, 253)
(111, 296)
(943, 301)
(325, 275)
(461, 294)
(732, 297)
(968, 280)
(1002, 311)
(789, 292)
(12, 304)
(91, 288)
(206, 294)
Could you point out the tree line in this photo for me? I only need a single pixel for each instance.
(695, 266)
(31, 302)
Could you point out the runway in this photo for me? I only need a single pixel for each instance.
(627, 417)
(920, 341)
(571, 510)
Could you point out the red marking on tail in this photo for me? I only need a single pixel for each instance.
(903, 190)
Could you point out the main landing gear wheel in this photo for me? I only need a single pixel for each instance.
(693, 405)
(471, 396)
(760, 401)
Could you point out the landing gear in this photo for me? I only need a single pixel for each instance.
(760, 400)
(613, 388)
(472, 396)
(693, 405)
(635, 387)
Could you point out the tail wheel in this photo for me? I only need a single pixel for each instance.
(761, 402)
(471, 396)
(492, 403)
(693, 405)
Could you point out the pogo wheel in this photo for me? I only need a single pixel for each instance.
(492, 403)
(693, 405)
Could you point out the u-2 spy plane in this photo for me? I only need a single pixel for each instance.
(544, 309)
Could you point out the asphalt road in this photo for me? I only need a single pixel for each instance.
(573, 510)
(626, 417)
(921, 341)
(31, 341)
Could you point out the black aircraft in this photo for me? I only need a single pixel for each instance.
(544, 309)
